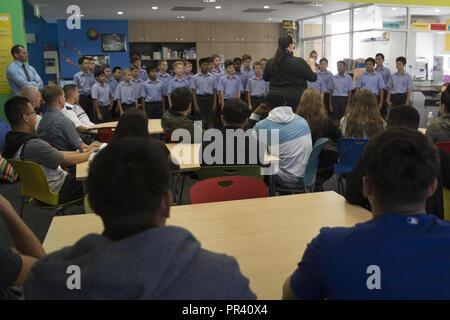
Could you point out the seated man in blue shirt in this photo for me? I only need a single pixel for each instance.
(402, 253)
(137, 256)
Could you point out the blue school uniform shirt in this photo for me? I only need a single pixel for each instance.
(84, 82)
(113, 83)
(385, 73)
(125, 93)
(411, 252)
(101, 93)
(371, 81)
(164, 78)
(249, 73)
(327, 78)
(175, 83)
(341, 85)
(137, 84)
(143, 75)
(257, 87)
(204, 84)
(152, 91)
(318, 84)
(243, 77)
(17, 78)
(230, 86)
(400, 83)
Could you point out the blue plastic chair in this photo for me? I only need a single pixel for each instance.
(308, 181)
(4, 129)
(349, 152)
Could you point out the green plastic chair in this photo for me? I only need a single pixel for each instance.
(35, 186)
(446, 194)
(87, 206)
(225, 171)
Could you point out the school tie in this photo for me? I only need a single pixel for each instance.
(26, 72)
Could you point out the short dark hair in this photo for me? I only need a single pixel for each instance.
(214, 56)
(370, 59)
(81, 60)
(115, 173)
(16, 49)
(209, 59)
(401, 164)
(116, 68)
(246, 57)
(342, 62)
(135, 58)
(68, 89)
(323, 60)
(237, 60)
(151, 68)
(235, 111)
(379, 55)
(99, 71)
(228, 63)
(312, 52)
(404, 116)
(257, 64)
(203, 60)
(181, 98)
(445, 98)
(15, 108)
(51, 93)
(275, 99)
(132, 123)
(401, 59)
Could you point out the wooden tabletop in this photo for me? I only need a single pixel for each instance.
(267, 235)
(154, 126)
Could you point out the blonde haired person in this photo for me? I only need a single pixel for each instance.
(362, 118)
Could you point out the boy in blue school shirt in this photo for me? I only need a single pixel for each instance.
(204, 93)
(164, 77)
(247, 70)
(402, 253)
(101, 97)
(327, 78)
(152, 95)
(341, 91)
(137, 63)
(125, 93)
(237, 63)
(84, 80)
(137, 84)
(257, 88)
(178, 81)
(372, 81)
(386, 75)
(399, 85)
(230, 85)
(188, 72)
(113, 82)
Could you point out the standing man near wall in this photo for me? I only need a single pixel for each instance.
(19, 73)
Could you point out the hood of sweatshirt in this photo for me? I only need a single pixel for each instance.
(281, 115)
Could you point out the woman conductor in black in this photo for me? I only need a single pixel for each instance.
(287, 73)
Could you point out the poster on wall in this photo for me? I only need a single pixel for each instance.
(114, 42)
(6, 43)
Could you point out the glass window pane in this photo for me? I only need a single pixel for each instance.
(338, 22)
(337, 48)
(312, 27)
(368, 44)
(311, 45)
(380, 17)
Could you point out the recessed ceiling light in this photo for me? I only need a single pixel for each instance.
(119, 12)
(437, 10)
(269, 19)
(266, 7)
(181, 17)
(209, 1)
(317, 5)
(218, 7)
(155, 8)
(394, 8)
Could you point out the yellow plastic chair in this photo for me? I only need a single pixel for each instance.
(446, 194)
(35, 186)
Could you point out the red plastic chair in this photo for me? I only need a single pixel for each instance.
(105, 134)
(228, 188)
(444, 145)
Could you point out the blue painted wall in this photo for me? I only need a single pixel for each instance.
(73, 44)
(46, 34)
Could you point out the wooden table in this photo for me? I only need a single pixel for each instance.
(154, 126)
(267, 235)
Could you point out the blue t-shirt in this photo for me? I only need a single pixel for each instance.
(396, 256)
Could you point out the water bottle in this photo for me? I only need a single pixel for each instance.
(430, 118)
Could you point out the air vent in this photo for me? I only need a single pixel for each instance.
(259, 10)
(294, 3)
(189, 9)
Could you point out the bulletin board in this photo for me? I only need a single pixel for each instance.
(6, 43)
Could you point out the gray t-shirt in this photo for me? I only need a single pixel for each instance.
(59, 131)
(40, 152)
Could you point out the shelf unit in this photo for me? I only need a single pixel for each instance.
(148, 49)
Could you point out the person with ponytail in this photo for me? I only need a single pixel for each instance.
(288, 74)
